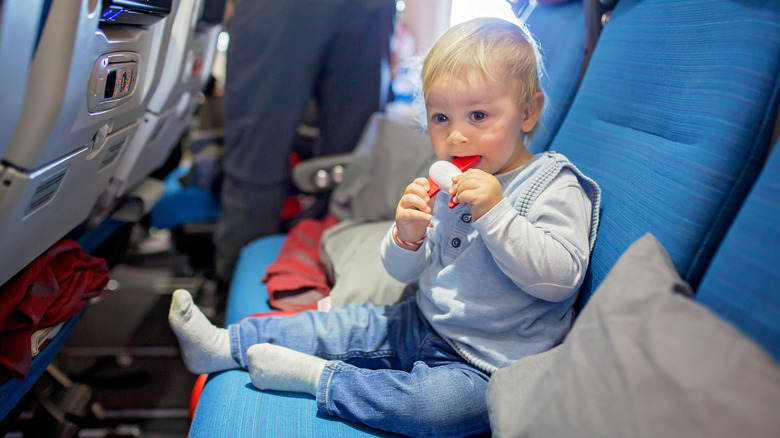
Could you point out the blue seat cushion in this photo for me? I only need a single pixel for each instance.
(186, 205)
(247, 293)
(230, 405)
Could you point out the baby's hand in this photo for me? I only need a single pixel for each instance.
(414, 213)
(478, 188)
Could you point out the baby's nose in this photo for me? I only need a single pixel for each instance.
(456, 137)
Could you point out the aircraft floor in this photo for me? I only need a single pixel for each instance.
(124, 350)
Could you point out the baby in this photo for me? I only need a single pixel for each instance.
(498, 274)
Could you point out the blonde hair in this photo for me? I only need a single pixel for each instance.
(488, 48)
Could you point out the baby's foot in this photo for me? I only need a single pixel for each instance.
(281, 369)
(204, 347)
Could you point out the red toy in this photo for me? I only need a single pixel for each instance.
(443, 171)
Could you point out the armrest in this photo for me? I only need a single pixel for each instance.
(320, 174)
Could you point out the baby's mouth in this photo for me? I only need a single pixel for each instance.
(466, 162)
(461, 157)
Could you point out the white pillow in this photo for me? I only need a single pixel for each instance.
(350, 253)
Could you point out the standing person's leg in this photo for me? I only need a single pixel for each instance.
(355, 78)
(272, 66)
(248, 213)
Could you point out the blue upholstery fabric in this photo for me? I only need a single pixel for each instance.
(673, 119)
(247, 293)
(183, 204)
(742, 285)
(560, 30)
(13, 390)
(187, 205)
(231, 407)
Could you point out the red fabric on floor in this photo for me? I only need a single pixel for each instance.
(296, 280)
(53, 288)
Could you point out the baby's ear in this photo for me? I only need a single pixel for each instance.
(532, 111)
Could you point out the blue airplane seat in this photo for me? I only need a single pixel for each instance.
(673, 119)
(246, 291)
(661, 362)
(742, 284)
(201, 206)
(183, 204)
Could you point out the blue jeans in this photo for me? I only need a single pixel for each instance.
(387, 368)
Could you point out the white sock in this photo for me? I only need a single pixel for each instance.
(204, 347)
(279, 368)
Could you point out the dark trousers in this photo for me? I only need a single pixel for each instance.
(283, 54)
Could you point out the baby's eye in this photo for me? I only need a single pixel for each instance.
(439, 118)
(478, 115)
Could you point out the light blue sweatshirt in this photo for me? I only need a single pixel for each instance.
(502, 287)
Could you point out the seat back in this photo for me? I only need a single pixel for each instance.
(19, 26)
(742, 284)
(89, 81)
(20, 22)
(187, 65)
(560, 31)
(673, 120)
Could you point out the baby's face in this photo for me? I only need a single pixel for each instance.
(477, 117)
